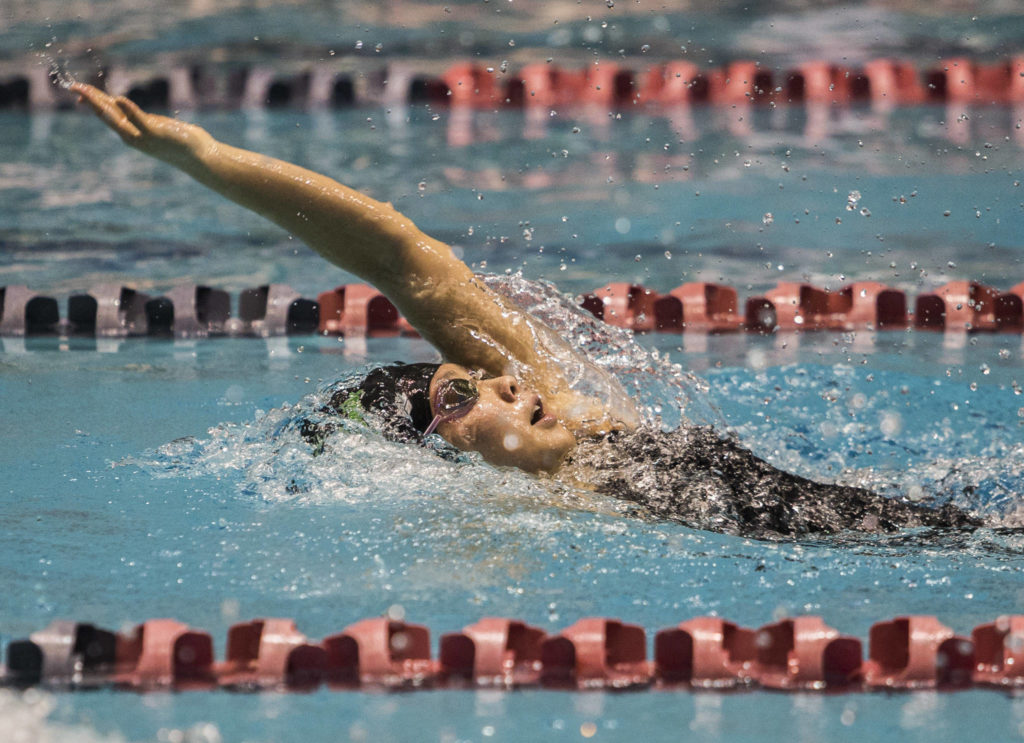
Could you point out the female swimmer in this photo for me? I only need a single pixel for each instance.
(510, 388)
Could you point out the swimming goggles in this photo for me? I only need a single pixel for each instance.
(453, 399)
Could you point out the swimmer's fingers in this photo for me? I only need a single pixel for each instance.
(108, 110)
(141, 120)
(165, 138)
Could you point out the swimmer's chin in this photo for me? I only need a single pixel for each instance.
(545, 466)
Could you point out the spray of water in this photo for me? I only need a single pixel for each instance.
(270, 460)
(52, 57)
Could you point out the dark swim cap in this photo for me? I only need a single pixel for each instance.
(398, 394)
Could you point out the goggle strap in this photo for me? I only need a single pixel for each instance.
(432, 426)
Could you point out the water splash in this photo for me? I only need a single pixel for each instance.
(893, 433)
(27, 717)
(51, 56)
(831, 424)
(60, 74)
(667, 395)
(268, 459)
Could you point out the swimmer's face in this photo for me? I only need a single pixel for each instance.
(508, 424)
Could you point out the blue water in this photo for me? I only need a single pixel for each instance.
(145, 478)
(104, 524)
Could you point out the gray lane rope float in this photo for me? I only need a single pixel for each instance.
(796, 654)
(189, 311)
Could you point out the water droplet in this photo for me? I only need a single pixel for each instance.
(891, 424)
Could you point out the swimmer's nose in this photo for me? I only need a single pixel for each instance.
(507, 388)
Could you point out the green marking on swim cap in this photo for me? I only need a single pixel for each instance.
(352, 408)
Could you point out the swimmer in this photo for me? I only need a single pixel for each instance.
(509, 387)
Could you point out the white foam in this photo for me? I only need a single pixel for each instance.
(26, 719)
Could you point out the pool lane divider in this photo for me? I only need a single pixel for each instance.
(795, 654)
(189, 311)
(471, 85)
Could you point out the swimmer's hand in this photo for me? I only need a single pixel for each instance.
(167, 139)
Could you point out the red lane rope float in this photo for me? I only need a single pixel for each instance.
(110, 310)
(271, 652)
(381, 652)
(796, 654)
(882, 81)
(493, 652)
(469, 84)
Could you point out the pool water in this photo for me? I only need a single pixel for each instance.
(145, 477)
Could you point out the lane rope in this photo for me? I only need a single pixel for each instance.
(191, 311)
(885, 82)
(794, 654)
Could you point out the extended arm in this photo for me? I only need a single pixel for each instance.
(439, 295)
(360, 234)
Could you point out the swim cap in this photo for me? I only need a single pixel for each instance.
(399, 395)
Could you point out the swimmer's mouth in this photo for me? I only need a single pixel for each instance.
(538, 413)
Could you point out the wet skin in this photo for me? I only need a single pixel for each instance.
(508, 424)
